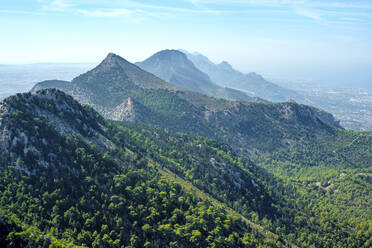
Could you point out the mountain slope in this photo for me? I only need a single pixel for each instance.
(108, 87)
(174, 67)
(248, 126)
(110, 183)
(225, 75)
(80, 179)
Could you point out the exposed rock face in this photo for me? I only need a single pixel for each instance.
(307, 115)
(124, 112)
(26, 119)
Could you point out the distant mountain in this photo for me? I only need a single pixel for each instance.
(121, 91)
(252, 83)
(173, 66)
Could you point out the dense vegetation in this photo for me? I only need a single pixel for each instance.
(332, 181)
(300, 192)
(69, 177)
(83, 195)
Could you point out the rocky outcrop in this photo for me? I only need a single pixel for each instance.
(26, 119)
(124, 111)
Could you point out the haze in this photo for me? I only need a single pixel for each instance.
(328, 42)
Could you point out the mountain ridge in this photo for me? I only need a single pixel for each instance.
(164, 105)
(174, 66)
(252, 83)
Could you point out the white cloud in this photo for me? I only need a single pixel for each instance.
(122, 8)
(309, 13)
(61, 4)
(55, 5)
(19, 12)
(320, 11)
(327, 11)
(105, 13)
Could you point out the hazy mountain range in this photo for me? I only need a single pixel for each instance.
(173, 66)
(351, 106)
(252, 83)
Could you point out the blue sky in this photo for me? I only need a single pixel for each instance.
(327, 41)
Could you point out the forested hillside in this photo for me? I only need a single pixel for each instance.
(96, 186)
(70, 177)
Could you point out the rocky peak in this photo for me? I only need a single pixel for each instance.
(111, 62)
(31, 126)
(113, 58)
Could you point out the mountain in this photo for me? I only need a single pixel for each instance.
(173, 66)
(225, 75)
(69, 177)
(248, 126)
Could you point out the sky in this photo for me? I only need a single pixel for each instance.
(327, 41)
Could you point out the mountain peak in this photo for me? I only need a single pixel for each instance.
(170, 51)
(225, 65)
(111, 56)
(115, 66)
(174, 56)
(255, 76)
(175, 67)
(112, 59)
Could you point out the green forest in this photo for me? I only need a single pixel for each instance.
(83, 181)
